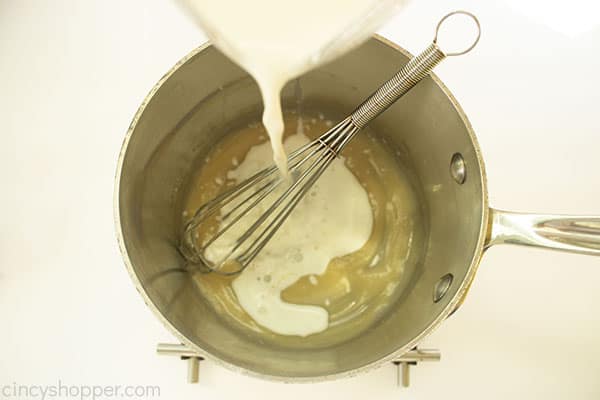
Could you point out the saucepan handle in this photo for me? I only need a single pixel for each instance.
(571, 233)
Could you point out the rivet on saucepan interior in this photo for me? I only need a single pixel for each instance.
(458, 169)
(441, 287)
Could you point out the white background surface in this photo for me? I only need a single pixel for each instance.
(72, 74)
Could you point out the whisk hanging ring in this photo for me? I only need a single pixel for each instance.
(468, 49)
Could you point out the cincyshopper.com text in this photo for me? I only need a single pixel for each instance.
(61, 390)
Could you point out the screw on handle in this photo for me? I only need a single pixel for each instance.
(416, 69)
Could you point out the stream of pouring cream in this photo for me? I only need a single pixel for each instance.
(278, 40)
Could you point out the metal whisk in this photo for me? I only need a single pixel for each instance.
(306, 165)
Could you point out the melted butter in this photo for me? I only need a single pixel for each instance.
(277, 40)
(342, 291)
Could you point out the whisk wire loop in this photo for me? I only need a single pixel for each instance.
(305, 165)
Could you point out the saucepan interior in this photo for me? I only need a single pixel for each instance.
(199, 102)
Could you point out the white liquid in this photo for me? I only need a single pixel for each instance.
(332, 220)
(356, 289)
(277, 40)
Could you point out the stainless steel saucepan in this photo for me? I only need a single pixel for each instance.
(205, 95)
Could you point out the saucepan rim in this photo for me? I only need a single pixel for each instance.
(449, 308)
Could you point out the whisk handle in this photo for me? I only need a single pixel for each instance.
(412, 73)
(416, 69)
